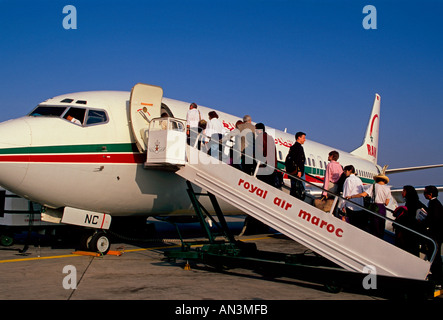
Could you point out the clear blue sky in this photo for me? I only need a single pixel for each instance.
(301, 65)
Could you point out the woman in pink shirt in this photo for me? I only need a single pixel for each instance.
(333, 173)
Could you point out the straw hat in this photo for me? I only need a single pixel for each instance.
(382, 175)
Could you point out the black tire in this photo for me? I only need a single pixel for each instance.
(6, 240)
(100, 243)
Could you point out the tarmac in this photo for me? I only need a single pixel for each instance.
(141, 273)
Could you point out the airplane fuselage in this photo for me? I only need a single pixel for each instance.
(96, 166)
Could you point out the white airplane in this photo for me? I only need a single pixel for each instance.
(84, 172)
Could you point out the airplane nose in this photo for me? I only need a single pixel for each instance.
(15, 140)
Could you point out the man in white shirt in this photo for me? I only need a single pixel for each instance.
(193, 117)
(354, 186)
(215, 130)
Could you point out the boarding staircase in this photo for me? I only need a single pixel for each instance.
(340, 242)
(333, 238)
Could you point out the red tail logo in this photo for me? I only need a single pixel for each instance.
(372, 151)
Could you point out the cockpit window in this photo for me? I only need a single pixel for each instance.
(79, 116)
(96, 116)
(75, 115)
(48, 111)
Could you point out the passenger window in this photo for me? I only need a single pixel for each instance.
(96, 116)
(75, 115)
(320, 162)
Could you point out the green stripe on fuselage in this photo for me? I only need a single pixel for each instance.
(84, 148)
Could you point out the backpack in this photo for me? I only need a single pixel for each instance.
(291, 166)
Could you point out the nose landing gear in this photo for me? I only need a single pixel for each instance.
(98, 241)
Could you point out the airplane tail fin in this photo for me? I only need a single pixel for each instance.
(369, 148)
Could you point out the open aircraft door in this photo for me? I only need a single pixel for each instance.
(144, 105)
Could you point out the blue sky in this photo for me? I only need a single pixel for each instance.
(301, 65)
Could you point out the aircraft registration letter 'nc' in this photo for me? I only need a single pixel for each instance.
(91, 219)
(86, 218)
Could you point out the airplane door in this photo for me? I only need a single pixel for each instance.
(144, 105)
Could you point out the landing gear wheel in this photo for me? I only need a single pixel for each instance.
(100, 242)
(6, 240)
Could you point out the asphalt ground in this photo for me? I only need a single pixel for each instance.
(141, 273)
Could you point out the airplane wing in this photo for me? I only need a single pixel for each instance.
(396, 193)
(391, 171)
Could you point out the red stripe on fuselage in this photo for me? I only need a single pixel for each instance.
(76, 158)
(316, 179)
